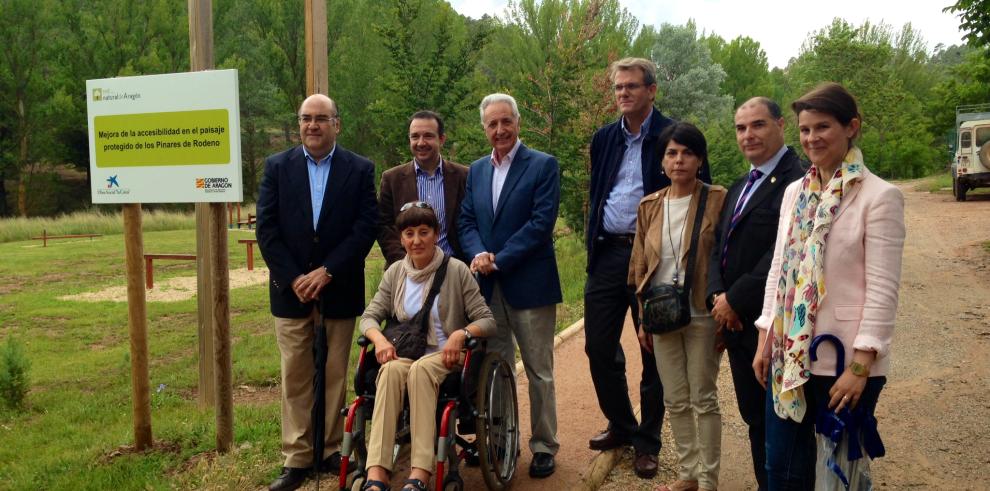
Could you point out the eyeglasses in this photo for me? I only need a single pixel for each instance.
(415, 204)
(321, 119)
(629, 87)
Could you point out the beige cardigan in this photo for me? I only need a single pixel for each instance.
(645, 258)
(461, 302)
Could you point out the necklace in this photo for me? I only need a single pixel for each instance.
(670, 239)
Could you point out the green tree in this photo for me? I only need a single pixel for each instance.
(746, 67)
(895, 138)
(25, 65)
(431, 55)
(975, 17)
(552, 56)
(688, 79)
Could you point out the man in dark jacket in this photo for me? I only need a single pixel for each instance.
(317, 220)
(744, 242)
(625, 166)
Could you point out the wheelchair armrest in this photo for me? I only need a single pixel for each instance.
(363, 341)
(472, 344)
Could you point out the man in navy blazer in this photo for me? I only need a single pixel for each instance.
(317, 221)
(625, 166)
(740, 261)
(506, 231)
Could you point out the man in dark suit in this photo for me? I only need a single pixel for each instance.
(625, 166)
(744, 243)
(317, 220)
(429, 178)
(506, 229)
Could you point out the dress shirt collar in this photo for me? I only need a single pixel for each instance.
(309, 158)
(642, 129)
(507, 159)
(767, 167)
(419, 170)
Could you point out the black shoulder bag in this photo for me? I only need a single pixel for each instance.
(409, 337)
(667, 308)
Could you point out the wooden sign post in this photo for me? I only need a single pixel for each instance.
(137, 326)
(317, 70)
(213, 282)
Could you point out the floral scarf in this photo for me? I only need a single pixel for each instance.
(802, 282)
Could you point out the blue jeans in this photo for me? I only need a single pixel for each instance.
(791, 445)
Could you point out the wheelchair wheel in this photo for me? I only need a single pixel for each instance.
(497, 423)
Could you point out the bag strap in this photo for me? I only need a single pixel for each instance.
(438, 278)
(698, 215)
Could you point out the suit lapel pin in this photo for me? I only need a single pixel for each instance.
(773, 179)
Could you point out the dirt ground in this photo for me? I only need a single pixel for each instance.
(174, 289)
(934, 412)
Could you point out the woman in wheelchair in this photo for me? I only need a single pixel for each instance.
(458, 314)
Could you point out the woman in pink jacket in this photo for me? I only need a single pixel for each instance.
(836, 270)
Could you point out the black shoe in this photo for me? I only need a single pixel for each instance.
(331, 464)
(542, 465)
(290, 479)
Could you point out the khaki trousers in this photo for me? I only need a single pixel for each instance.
(533, 330)
(295, 344)
(421, 378)
(688, 368)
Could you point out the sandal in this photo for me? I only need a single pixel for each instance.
(414, 485)
(372, 485)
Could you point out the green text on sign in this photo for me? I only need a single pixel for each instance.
(162, 139)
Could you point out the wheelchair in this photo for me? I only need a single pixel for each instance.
(479, 400)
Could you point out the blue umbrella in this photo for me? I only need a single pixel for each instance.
(843, 436)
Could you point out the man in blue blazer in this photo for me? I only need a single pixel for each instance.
(317, 221)
(625, 166)
(506, 231)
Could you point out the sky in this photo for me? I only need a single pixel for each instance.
(791, 20)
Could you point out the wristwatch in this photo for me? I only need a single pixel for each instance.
(859, 370)
(327, 271)
(467, 334)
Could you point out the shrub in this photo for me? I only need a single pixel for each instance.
(14, 366)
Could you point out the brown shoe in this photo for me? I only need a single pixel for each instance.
(607, 440)
(645, 465)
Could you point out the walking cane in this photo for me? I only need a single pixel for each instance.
(319, 388)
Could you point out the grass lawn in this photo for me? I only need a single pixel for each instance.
(79, 406)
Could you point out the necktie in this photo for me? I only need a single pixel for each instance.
(754, 175)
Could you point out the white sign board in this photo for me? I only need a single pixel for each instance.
(172, 138)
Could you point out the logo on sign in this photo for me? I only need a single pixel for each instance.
(102, 94)
(214, 184)
(113, 187)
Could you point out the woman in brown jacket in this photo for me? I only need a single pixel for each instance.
(686, 358)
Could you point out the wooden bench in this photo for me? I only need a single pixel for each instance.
(44, 238)
(250, 251)
(149, 271)
(251, 219)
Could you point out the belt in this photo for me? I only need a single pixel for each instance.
(616, 239)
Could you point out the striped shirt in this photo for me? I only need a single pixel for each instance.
(430, 190)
